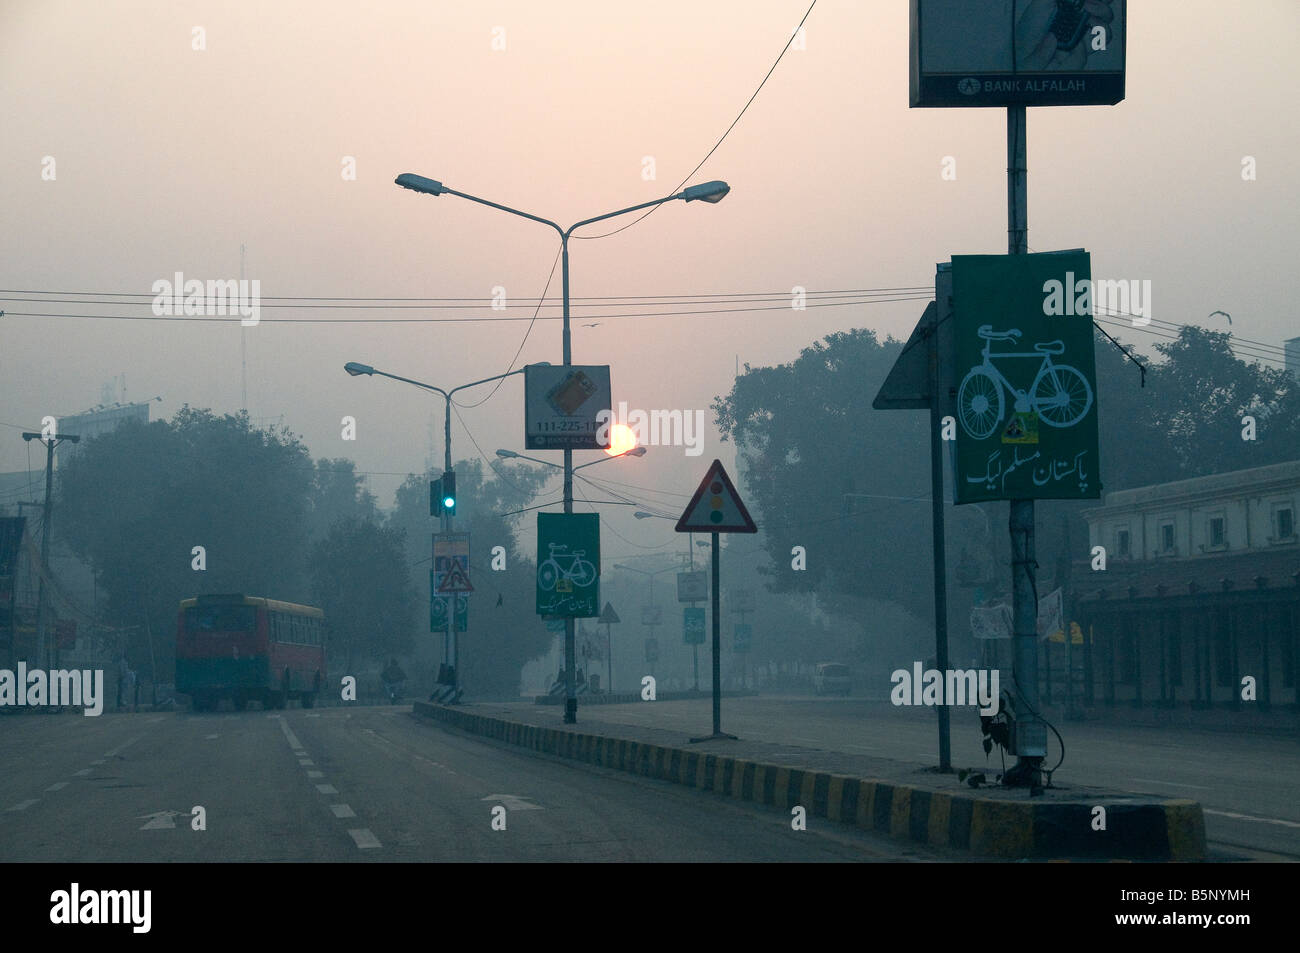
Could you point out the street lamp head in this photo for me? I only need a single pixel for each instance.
(643, 515)
(636, 452)
(356, 370)
(711, 192)
(507, 454)
(418, 183)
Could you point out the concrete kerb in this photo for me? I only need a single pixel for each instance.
(1136, 828)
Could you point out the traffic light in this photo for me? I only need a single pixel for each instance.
(442, 495)
(449, 492)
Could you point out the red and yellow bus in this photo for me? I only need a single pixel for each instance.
(247, 648)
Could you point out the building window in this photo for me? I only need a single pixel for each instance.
(1123, 543)
(1166, 538)
(1217, 537)
(1284, 523)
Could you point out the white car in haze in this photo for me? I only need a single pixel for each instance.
(832, 678)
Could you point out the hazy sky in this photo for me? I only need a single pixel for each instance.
(168, 158)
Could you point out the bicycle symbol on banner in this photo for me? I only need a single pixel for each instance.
(564, 570)
(1060, 395)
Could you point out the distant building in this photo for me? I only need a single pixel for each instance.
(1201, 589)
(1291, 349)
(98, 421)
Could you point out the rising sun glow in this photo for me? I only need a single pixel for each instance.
(621, 439)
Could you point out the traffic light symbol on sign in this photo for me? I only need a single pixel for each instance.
(715, 501)
(716, 506)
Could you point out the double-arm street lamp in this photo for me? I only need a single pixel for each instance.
(450, 650)
(711, 192)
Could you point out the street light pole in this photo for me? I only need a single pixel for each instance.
(450, 650)
(711, 192)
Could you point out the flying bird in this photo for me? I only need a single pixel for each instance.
(1224, 313)
(596, 325)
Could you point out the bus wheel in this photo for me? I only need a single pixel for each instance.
(307, 699)
(239, 701)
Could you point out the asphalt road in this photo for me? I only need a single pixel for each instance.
(359, 784)
(1246, 782)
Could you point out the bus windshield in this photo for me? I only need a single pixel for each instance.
(220, 618)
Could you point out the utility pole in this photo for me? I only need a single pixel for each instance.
(52, 441)
(243, 358)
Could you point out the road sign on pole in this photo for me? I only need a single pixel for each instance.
(1026, 409)
(456, 580)
(449, 549)
(692, 626)
(692, 586)
(716, 507)
(568, 564)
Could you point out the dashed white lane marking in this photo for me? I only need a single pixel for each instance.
(122, 747)
(82, 773)
(326, 789)
(313, 716)
(1247, 817)
(57, 786)
(315, 774)
(155, 720)
(307, 761)
(24, 805)
(210, 737)
(294, 743)
(1172, 784)
(364, 839)
(100, 761)
(342, 810)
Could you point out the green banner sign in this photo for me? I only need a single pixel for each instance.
(568, 564)
(438, 611)
(1026, 412)
(692, 626)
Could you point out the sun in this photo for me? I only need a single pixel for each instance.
(621, 439)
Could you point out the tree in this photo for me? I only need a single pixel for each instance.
(828, 473)
(338, 492)
(360, 578)
(138, 503)
(1200, 393)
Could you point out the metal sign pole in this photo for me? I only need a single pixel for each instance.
(1031, 734)
(936, 524)
(717, 645)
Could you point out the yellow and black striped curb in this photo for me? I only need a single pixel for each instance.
(1136, 828)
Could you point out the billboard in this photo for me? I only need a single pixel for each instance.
(563, 405)
(1017, 52)
(1026, 411)
(568, 564)
(96, 423)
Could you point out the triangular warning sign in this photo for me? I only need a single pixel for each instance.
(716, 507)
(455, 580)
(907, 385)
(608, 614)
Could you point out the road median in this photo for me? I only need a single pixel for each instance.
(895, 798)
